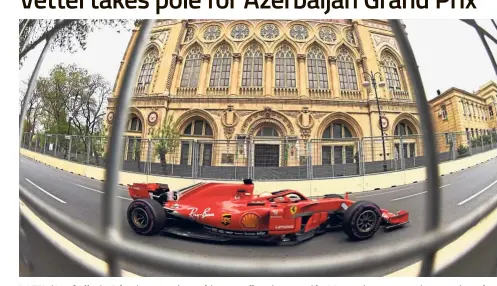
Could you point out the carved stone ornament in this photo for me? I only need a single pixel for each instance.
(110, 117)
(270, 116)
(228, 132)
(305, 122)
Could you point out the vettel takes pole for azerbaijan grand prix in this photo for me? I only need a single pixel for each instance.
(223, 211)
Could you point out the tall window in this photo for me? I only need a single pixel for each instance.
(390, 67)
(221, 67)
(197, 127)
(148, 68)
(252, 66)
(135, 124)
(491, 111)
(339, 152)
(285, 67)
(191, 71)
(346, 70)
(403, 129)
(444, 112)
(316, 68)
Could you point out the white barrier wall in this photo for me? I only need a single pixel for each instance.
(308, 187)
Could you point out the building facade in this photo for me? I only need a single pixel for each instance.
(470, 115)
(275, 84)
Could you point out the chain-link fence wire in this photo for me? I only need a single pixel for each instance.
(263, 160)
(332, 158)
(110, 241)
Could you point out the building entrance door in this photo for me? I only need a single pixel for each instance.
(266, 155)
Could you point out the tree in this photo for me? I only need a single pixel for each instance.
(70, 38)
(34, 109)
(167, 139)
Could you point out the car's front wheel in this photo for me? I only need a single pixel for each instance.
(361, 220)
(146, 216)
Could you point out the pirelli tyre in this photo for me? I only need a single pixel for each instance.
(146, 216)
(361, 220)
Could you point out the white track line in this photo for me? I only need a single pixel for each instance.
(45, 191)
(406, 197)
(124, 198)
(414, 195)
(384, 193)
(477, 194)
(84, 187)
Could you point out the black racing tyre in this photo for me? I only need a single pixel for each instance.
(361, 220)
(333, 196)
(146, 216)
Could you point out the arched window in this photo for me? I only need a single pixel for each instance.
(191, 70)
(337, 130)
(135, 124)
(147, 70)
(221, 67)
(391, 69)
(316, 68)
(444, 112)
(267, 131)
(346, 70)
(198, 127)
(340, 151)
(404, 128)
(195, 128)
(252, 66)
(285, 67)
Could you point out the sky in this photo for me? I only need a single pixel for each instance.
(449, 54)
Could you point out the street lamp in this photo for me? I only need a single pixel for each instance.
(370, 79)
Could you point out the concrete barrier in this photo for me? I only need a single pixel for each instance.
(308, 187)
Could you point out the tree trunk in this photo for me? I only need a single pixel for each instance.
(163, 164)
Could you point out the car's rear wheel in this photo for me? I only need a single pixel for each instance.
(361, 220)
(146, 216)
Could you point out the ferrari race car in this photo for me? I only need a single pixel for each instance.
(222, 212)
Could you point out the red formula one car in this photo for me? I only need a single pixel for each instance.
(222, 212)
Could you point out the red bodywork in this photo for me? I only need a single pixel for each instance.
(228, 208)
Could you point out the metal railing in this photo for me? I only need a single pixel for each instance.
(262, 160)
(115, 248)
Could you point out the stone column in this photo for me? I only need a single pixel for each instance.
(302, 75)
(405, 81)
(235, 74)
(177, 68)
(335, 79)
(202, 82)
(360, 76)
(268, 86)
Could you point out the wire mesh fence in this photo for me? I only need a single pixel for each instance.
(263, 159)
(115, 248)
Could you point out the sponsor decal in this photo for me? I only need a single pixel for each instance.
(236, 233)
(258, 202)
(250, 220)
(194, 215)
(284, 227)
(275, 214)
(226, 219)
(293, 209)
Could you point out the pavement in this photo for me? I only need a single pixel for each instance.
(80, 198)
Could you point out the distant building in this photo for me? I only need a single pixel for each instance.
(471, 115)
(279, 83)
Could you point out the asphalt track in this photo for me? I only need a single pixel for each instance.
(80, 198)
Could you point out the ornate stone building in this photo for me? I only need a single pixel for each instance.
(272, 82)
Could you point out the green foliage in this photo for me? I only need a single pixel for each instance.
(462, 150)
(168, 138)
